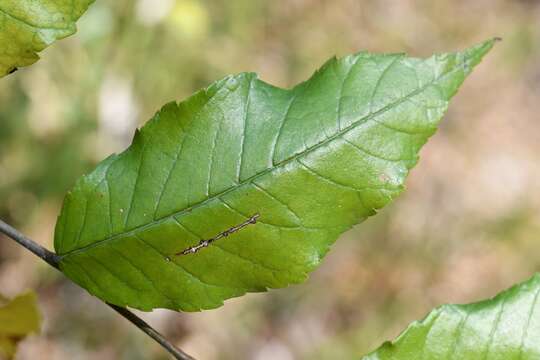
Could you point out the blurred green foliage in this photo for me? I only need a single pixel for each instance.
(27, 27)
(18, 318)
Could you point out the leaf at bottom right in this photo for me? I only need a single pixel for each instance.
(504, 327)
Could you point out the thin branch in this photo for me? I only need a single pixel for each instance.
(144, 326)
(46, 255)
(53, 260)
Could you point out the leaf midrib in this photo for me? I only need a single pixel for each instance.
(271, 169)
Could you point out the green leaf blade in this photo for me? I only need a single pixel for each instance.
(312, 161)
(505, 327)
(27, 27)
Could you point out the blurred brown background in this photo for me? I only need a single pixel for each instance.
(466, 228)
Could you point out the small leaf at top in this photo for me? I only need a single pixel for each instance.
(18, 318)
(506, 327)
(29, 26)
(311, 162)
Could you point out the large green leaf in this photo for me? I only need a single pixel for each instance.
(29, 26)
(311, 162)
(506, 327)
(18, 318)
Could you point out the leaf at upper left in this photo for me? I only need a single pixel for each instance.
(29, 26)
(18, 318)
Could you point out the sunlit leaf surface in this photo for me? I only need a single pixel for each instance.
(306, 163)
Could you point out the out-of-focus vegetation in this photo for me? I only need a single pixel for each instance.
(28, 26)
(466, 227)
(18, 318)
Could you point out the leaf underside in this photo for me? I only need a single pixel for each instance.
(311, 161)
(28, 26)
(18, 318)
(506, 327)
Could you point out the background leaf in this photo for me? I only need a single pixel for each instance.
(28, 26)
(505, 327)
(311, 161)
(18, 318)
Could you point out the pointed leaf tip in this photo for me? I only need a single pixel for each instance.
(478, 52)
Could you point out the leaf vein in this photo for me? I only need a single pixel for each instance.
(246, 114)
(169, 174)
(133, 193)
(527, 325)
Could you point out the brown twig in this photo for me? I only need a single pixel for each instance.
(53, 260)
